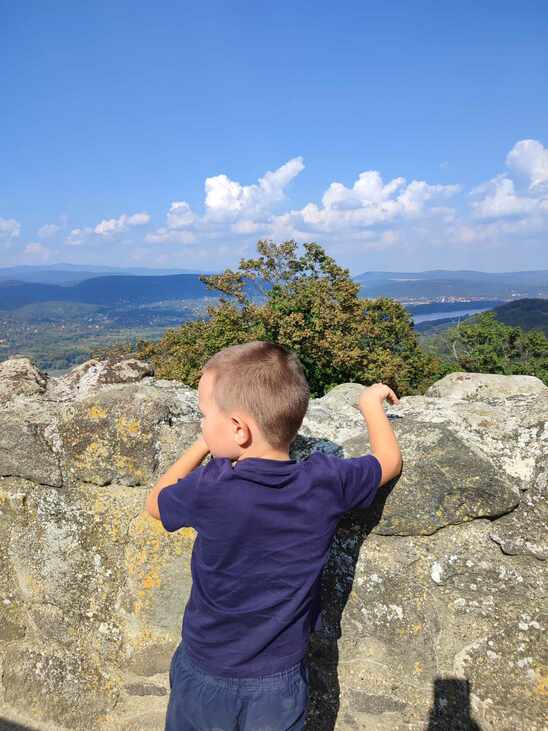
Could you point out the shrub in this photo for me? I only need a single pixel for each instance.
(311, 305)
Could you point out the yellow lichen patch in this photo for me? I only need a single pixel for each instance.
(146, 523)
(147, 553)
(110, 516)
(151, 580)
(127, 465)
(115, 529)
(185, 534)
(188, 533)
(146, 634)
(100, 506)
(418, 667)
(149, 557)
(96, 412)
(144, 557)
(178, 548)
(95, 453)
(127, 428)
(96, 450)
(31, 586)
(411, 630)
(541, 687)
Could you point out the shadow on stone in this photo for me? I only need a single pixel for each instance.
(336, 586)
(451, 706)
(6, 725)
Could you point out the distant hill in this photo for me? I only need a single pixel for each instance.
(461, 283)
(527, 313)
(533, 275)
(27, 285)
(70, 274)
(109, 290)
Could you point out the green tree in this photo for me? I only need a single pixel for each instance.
(487, 345)
(311, 305)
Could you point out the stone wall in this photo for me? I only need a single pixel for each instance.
(433, 614)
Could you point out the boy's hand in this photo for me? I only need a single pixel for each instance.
(376, 394)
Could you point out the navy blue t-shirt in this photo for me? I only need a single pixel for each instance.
(264, 528)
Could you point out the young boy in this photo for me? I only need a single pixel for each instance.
(264, 526)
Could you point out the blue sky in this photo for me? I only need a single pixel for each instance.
(409, 137)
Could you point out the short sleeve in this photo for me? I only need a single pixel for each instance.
(176, 502)
(360, 480)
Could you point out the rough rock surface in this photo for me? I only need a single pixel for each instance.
(433, 613)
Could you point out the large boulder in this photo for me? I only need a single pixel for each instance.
(432, 599)
(479, 386)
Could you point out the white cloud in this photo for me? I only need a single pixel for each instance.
(494, 233)
(228, 200)
(245, 227)
(170, 236)
(48, 231)
(368, 189)
(113, 226)
(230, 208)
(368, 203)
(418, 193)
(370, 214)
(500, 200)
(530, 158)
(37, 249)
(506, 196)
(78, 235)
(9, 229)
(180, 215)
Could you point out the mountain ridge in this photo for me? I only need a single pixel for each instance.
(117, 287)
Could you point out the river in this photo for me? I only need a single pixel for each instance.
(451, 313)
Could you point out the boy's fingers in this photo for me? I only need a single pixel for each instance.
(393, 396)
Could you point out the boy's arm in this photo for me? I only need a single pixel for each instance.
(188, 461)
(384, 445)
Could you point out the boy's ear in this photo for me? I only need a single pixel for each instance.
(242, 432)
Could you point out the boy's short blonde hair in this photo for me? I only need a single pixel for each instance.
(268, 381)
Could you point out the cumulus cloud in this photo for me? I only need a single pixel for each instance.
(106, 229)
(368, 214)
(530, 158)
(369, 202)
(113, 226)
(37, 249)
(180, 222)
(230, 208)
(180, 215)
(228, 200)
(500, 200)
(170, 236)
(493, 233)
(9, 229)
(245, 227)
(371, 212)
(520, 193)
(77, 236)
(48, 231)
